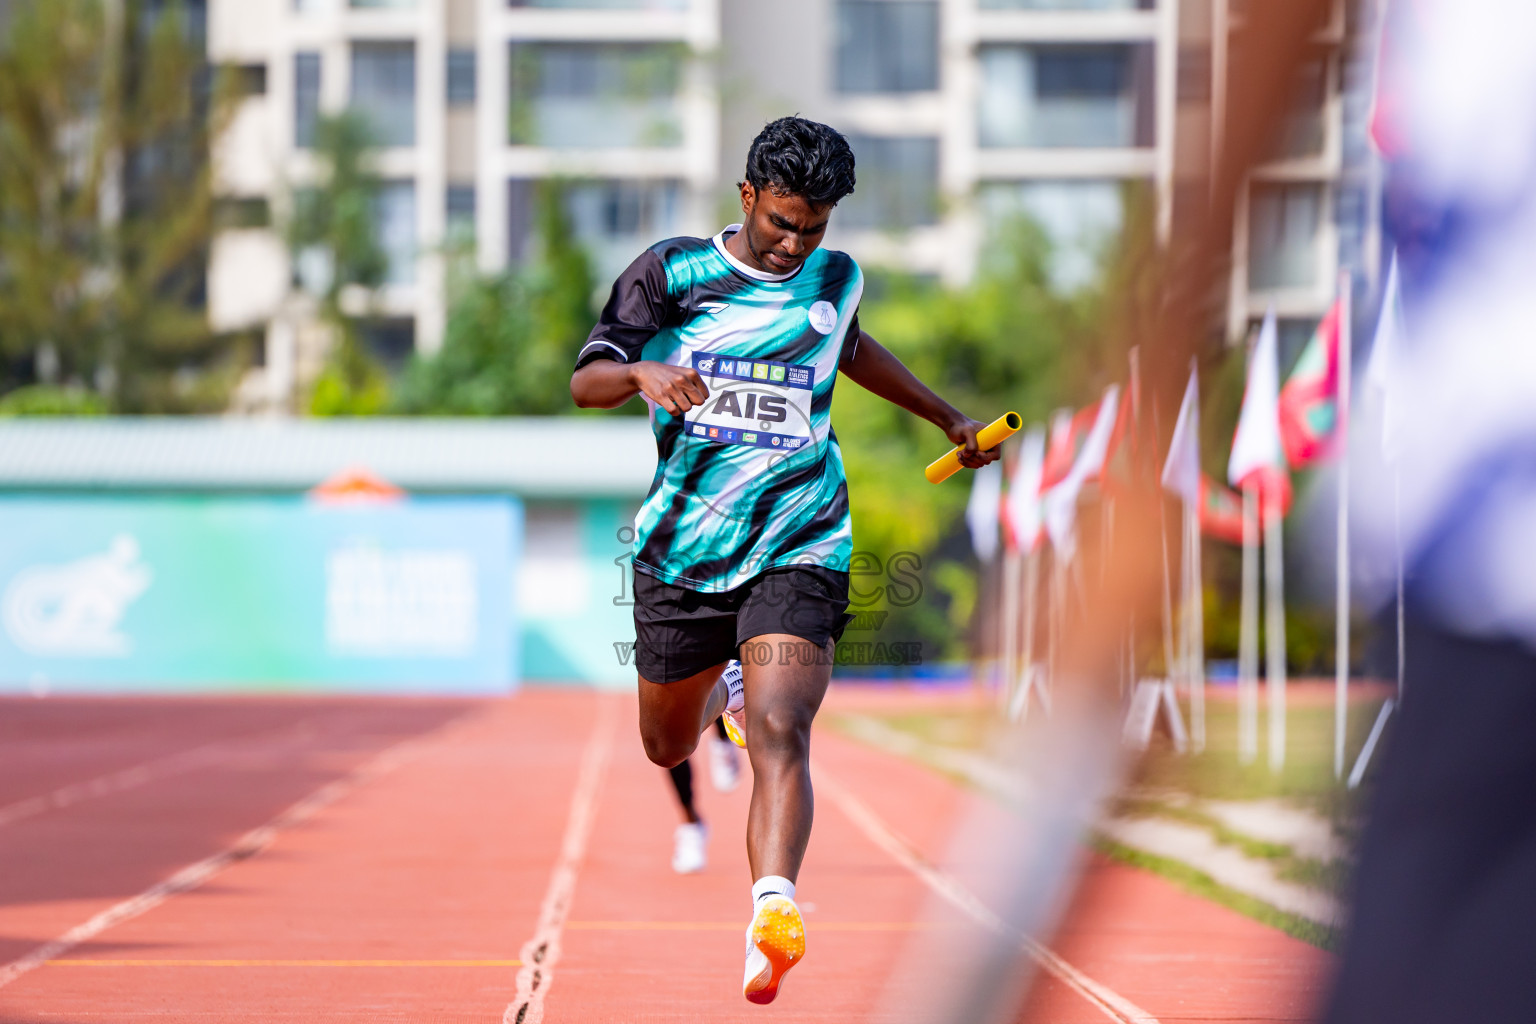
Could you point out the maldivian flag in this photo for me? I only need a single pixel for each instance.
(1221, 511)
(1309, 402)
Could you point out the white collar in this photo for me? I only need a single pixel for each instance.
(740, 267)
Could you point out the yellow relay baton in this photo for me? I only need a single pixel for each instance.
(987, 438)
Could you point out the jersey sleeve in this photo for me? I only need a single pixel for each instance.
(850, 341)
(639, 305)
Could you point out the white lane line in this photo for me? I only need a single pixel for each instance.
(194, 875)
(1109, 1002)
(541, 952)
(139, 774)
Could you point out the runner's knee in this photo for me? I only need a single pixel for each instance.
(783, 732)
(663, 748)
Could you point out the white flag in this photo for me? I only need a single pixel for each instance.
(981, 513)
(1061, 501)
(1257, 445)
(1024, 511)
(1378, 375)
(1181, 473)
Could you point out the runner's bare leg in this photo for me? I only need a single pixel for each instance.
(783, 697)
(673, 715)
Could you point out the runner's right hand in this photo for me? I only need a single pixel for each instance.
(675, 388)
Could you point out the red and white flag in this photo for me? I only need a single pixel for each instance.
(981, 511)
(1061, 500)
(1258, 456)
(1023, 511)
(1181, 473)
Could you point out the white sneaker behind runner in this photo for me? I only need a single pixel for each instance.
(724, 765)
(688, 845)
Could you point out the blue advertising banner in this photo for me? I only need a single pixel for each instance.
(259, 593)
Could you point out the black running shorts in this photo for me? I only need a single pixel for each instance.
(681, 632)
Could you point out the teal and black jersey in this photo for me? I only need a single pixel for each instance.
(752, 479)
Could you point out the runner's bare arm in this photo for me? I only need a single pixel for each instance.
(607, 384)
(871, 365)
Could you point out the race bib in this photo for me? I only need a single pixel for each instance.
(755, 402)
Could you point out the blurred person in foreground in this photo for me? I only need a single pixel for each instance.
(742, 546)
(1443, 921)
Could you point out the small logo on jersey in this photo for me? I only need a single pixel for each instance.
(707, 365)
(760, 371)
(776, 373)
(823, 316)
(730, 435)
(716, 307)
(714, 431)
(749, 437)
(699, 431)
(727, 368)
(775, 441)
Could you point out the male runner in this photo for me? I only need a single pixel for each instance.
(742, 546)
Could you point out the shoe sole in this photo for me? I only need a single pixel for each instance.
(733, 730)
(778, 933)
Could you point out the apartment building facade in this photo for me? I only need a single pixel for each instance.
(963, 115)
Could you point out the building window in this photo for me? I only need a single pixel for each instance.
(238, 212)
(306, 98)
(384, 90)
(391, 342)
(461, 78)
(395, 220)
(614, 220)
(1066, 95)
(461, 210)
(887, 46)
(607, 5)
(898, 183)
(1067, 5)
(1301, 131)
(1080, 221)
(1284, 222)
(249, 79)
(596, 95)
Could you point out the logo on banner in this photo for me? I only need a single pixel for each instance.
(74, 610)
(381, 603)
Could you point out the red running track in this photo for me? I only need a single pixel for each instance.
(473, 860)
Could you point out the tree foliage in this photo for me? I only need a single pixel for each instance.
(334, 238)
(1006, 341)
(511, 337)
(106, 204)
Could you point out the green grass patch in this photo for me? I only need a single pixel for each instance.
(1198, 883)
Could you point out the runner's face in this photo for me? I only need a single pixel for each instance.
(780, 230)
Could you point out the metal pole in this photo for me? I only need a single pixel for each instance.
(1341, 570)
(1248, 637)
(1274, 587)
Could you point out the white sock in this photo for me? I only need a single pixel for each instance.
(771, 885)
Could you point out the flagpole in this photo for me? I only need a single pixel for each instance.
(1010, 611)
(1020, 705)
(1248, 638)
(1341, 571)
(1274, 604)
(1195, 612)
(1169, 668)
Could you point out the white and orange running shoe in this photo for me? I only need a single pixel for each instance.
(735, 703)
(775, 943)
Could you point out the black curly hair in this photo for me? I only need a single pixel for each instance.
(802, 158)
